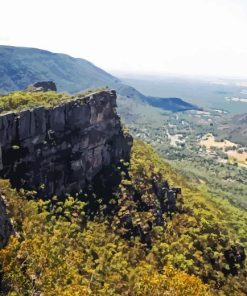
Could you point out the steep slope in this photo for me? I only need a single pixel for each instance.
(62, 143)
(60, 250)
(21, 66)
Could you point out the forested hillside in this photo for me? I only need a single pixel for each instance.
(122, 240)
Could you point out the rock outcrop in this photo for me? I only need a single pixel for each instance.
(42, 86)
(58, 150)
(5, 223)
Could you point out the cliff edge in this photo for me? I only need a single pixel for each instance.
(57, 150)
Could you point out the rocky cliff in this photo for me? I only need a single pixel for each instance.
(57, 150)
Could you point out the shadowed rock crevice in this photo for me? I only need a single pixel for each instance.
(42, 86)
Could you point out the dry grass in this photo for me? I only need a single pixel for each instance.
(210, 143)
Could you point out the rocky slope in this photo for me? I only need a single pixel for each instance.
(57, 150)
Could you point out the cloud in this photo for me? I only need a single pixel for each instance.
(4, 39)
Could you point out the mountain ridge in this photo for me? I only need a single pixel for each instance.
(22, 66)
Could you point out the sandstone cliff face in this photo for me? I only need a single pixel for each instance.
(57, 150)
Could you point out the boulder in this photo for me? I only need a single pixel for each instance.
(42, 86)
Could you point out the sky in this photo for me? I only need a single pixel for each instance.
(185, 37)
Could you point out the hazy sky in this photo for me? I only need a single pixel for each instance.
(206, 37)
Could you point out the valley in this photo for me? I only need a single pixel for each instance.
(192, 143)
(223, 94)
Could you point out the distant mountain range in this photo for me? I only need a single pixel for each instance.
(20, 67)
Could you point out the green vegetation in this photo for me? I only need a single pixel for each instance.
(225, 180)
(60, 249)
(195, 239)
(70, 74)
(176, 137)
(20, 100)
(62, 254)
